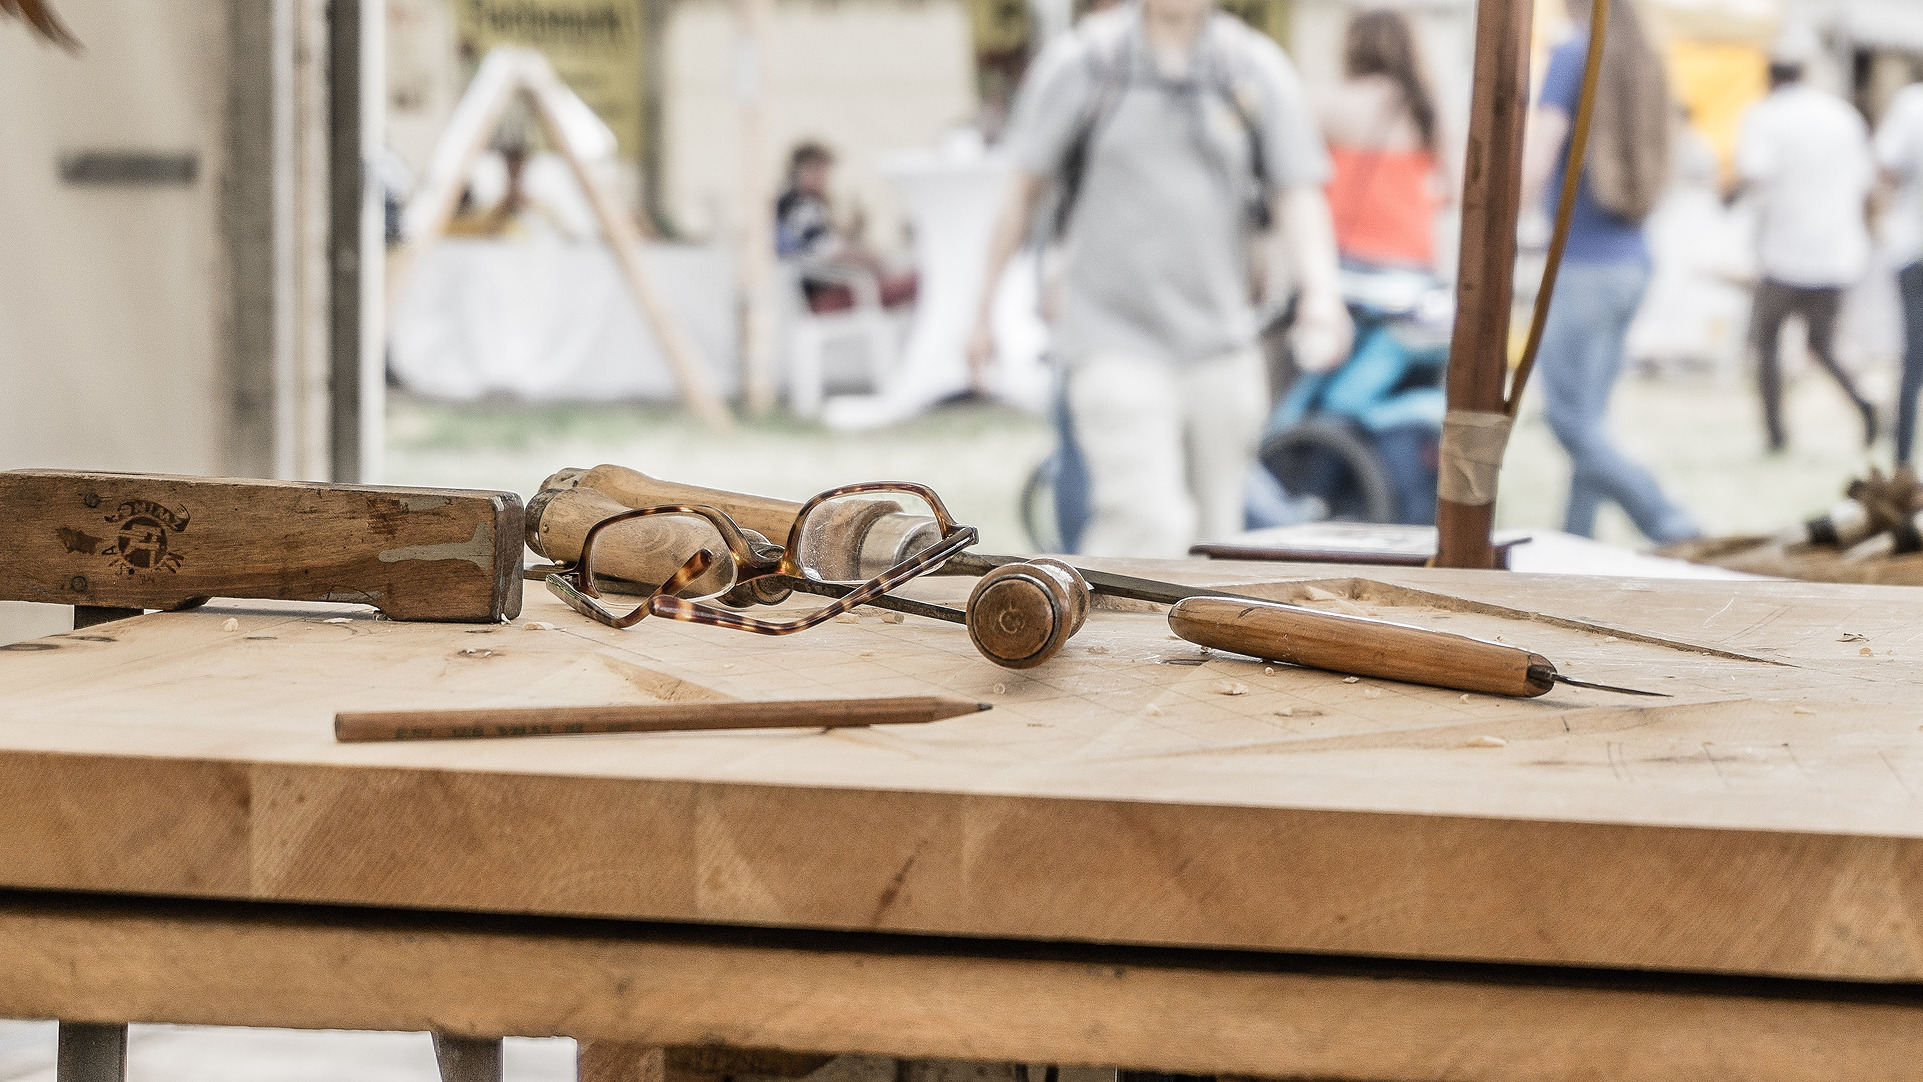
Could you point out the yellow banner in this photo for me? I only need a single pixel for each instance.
(1718, 81)
(595, 45)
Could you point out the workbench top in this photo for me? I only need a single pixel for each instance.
(1137, 789)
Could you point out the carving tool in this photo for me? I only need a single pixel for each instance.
(140, 541)
(510, 721)
(1361, 646)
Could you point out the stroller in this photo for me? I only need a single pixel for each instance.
(1365, 437)
(1359, 443)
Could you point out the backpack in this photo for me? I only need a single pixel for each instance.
(1109, 71)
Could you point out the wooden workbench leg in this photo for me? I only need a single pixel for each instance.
(91, 1052)
(468, 1059)
(617, 1061)
(86, 616)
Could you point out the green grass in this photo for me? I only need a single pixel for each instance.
(976, 456)
(1702, 438)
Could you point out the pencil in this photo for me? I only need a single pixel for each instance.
(509, 721)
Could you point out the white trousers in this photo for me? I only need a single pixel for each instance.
(1168, 448)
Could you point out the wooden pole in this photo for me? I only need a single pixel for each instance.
(1491, 199)
(624, 237)
(754, 208)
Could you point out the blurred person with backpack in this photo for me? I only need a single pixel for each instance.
(1803, 156)
(1899, 151)
(1606, 266)
(1385, 145)
(1170, 136)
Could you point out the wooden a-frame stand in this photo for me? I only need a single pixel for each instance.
(507, 71)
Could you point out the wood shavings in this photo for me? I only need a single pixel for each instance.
(892, 617)
(1153, 711)
(1372, 693)
(476, 652)
(847, 618)
(1234, 687)
(1611, 638)
(1851, 636)
(230, 624)
(1351, 679)
(1098, 648)
(537, 625)
(866, 653)
(1802, 710)
(1268, 670)
(1463, 699)
(1289, 712)
(1867, 652)
(1487, 742)
(1001, 689)
(337, 620)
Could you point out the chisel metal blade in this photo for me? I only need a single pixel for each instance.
(1575, 683)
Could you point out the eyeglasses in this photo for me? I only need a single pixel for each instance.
(896, 544)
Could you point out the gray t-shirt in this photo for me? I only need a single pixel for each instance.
(1157, 251)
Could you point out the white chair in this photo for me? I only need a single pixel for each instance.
(809, 334)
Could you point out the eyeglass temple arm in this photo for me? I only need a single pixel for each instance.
(885, 601)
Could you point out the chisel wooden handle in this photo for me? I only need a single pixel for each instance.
(843, 541)
(1359, 646)
(139, 541)
(647, 550)
(765, 515)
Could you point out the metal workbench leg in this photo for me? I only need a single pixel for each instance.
(91, 1052)
(468, 1059)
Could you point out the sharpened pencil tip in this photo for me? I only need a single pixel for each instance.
(984, 706)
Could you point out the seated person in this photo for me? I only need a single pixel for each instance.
(829, 259)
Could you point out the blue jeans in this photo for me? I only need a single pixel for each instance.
(1581, 356)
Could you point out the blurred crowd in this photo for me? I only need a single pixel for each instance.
(1160, 143)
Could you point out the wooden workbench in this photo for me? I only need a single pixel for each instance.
(1147, 855)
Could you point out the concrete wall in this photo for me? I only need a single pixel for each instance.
(111, 297)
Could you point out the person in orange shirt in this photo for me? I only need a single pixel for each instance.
(1388, 181)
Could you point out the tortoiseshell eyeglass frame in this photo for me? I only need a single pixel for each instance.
(750, 562)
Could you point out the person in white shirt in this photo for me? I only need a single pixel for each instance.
(1804, 155)
(1899, 151)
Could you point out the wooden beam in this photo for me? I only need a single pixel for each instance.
(1189, 1012)
(355, 106)
(1491, 200)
